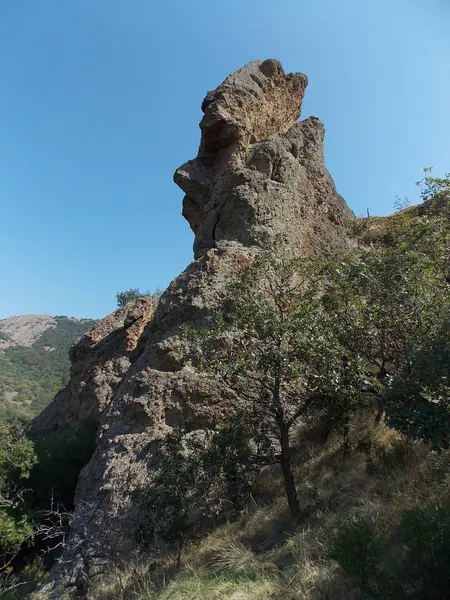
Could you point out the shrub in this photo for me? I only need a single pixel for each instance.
(199, 477)
(128, 296)
(417, 401)
(358, 551)
(413, 563)
(174, 493)
(424, 569)
(16, 460)
(123, 298)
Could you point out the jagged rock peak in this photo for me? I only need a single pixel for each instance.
(251, 104)
(259, 173)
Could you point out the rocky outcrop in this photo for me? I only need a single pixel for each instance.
(259, 176)
(99, 361)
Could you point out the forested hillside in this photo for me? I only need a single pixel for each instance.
(31, 375)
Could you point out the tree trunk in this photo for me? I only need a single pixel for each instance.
(381, 376)
(180, 549)
(285, 447)
(380, 411)
(288, 477)
(346, 439)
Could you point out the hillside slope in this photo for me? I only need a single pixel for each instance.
(262, 555)
(34, 361)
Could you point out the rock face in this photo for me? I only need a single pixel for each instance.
(99, 361)
(259, 175)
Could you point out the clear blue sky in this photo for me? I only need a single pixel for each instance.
(100, 102)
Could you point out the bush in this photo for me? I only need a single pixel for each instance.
(173, 495)
(37, 486)
(198, 478)
(358, 551)
(16, 460)
(417, 401)
(414, 563)
(424, 570)
(128, 296)
(123, 298)
(15, 529)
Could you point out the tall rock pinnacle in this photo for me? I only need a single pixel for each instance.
(259, 173)
(259, 176)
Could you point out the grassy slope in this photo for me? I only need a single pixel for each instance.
(262, 556)
(36, 373)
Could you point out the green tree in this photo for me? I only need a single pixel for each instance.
(390, 305)
(274, 347)
(16, 461)
(129, 295)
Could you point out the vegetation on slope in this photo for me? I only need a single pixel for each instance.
(332, 478)
(339, 348)
(122, 298)
(37, 487)
(363, 519)
(31, 376)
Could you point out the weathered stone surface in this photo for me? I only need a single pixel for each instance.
(158, 392)
(99, 361)
(258, 175)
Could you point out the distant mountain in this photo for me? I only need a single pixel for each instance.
(34, 361)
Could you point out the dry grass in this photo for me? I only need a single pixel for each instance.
(200, 585)
(262, 556)
(370, 230)
(124, 581)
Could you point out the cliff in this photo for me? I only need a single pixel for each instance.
(99, 361)
(259, 176)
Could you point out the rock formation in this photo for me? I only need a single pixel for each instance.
(259, 175)
(99, 361)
